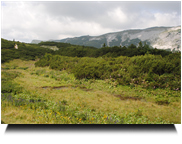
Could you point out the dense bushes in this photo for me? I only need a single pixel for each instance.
(150, 71)
(24, 52)
(5, 44)
(92, 68)
(7, 85)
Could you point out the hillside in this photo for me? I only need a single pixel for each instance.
(24, 51)
(169, 39)
(157, 37)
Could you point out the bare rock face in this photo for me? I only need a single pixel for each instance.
(169, 39)
(16, 46)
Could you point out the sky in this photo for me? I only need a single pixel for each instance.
(45, 20)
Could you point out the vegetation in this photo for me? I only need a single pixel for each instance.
(149, 71)
(92, 86)
(24, 51)
(33, 51)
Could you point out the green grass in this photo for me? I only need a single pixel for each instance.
(104, 103)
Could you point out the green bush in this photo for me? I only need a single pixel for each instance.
(23, 68)
(7, 84)
(149, 71)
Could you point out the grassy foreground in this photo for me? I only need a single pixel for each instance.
(35, 95)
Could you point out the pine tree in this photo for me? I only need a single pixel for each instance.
(140, 45)
(104, 45)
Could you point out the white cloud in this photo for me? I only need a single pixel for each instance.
(166, 19)
(117, 15)
(25, 21)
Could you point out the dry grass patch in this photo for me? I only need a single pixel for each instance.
(16, 115)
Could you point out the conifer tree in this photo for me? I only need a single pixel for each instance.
(104, 45)
(140, 45)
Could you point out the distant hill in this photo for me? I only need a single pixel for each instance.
(36, 41)
(159, 37)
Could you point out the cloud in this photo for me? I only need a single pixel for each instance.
(25, 21)
(166, 19)
(117, 15)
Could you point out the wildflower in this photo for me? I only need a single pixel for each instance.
(154, 87)
(105, 116)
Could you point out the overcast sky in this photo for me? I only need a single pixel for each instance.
(25, 21)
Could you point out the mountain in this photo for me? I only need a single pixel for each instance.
(36, 41)
(169, 39)
(157, 37)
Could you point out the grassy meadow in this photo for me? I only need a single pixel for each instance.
(40, 95)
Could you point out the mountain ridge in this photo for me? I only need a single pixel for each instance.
(157, 37)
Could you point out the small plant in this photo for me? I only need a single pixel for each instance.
(2, 122)
(82, 116)
(93, 110)
(53, 76)
(14, 67)
(46, 75)
(132, 85)
(139, 113)
(64, 102)
(62, 108)
(23, 68)
(6, 68)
